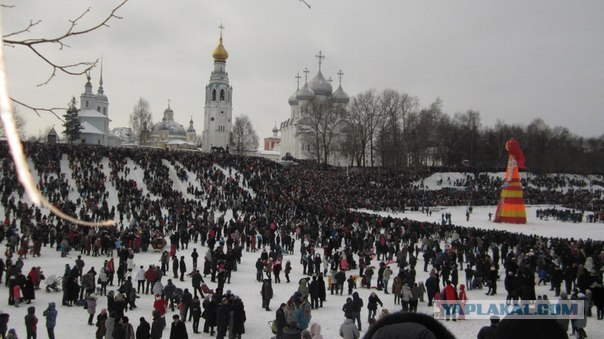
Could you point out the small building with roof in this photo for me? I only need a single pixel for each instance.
(52, 137)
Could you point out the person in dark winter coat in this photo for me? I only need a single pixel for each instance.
(178, 329)
(322, 290)
(488, 332)
(357, 305)
(267, 293)
(187, 300)
(157, 327)
(29, 292)
(492, 276)
(222, 318)
(195, 314)
(280, 320)
(143, 330)
(209, 314)
(347, 308)
(313, 290)
(183, 268)
(31, 323)
(372, 305)
(123, 329)
(101, 330)
(414, 325)
(239, 317)
(119, 305)
(51, 319)
(288, 269)
(3, 324)
(431, 288)
(509, 284)
(529, 328)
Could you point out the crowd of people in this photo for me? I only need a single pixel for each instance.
(276, 209)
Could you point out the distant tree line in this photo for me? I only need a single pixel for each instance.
(390, 129)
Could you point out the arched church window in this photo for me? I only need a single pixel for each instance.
(104, 110)
(86, 103)
(213, 95)
(98, 108)
(221, 95)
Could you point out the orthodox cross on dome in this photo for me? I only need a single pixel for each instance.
(298, 77)
(306, 71)
(320, 57)
(340, 76)
(221, 27)
(169, 103)
(330, 80)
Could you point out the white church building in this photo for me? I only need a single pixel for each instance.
(94, 116)
(317, 90)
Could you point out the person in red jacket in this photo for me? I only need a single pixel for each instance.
(450, 298)
(150, 278)
(160, 305)
(462, 301)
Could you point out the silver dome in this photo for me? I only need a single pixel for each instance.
(292, 99)
(339, 96)
(320, 86)
(305, 93)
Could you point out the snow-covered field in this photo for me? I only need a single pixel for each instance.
(72, 321)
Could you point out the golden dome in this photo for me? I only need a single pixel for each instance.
(220, 53)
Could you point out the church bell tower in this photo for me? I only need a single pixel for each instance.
(218, 110)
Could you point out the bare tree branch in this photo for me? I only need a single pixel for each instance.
(26, 29)
(78, 68)
(306, 3)
(37, 110)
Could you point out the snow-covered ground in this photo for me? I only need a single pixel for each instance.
(71, 321)
(480, 219)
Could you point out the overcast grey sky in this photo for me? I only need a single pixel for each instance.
(511, 60)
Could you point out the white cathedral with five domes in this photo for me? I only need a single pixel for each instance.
(317, 90)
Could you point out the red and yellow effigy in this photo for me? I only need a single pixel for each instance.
(510, 208)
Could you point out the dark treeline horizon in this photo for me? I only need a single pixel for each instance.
(395, 132)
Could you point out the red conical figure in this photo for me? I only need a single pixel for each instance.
(511, 207)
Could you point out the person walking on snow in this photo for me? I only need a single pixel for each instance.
(51, 319)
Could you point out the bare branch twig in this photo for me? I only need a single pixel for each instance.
(26, 29)
(70, 30)
(80, 67)
(37, 110)
(306, 3)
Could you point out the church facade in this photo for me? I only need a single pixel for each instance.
(218, 110)
(169, 134)
(295, 138)
(94, 116)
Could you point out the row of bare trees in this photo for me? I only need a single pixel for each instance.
(391, 129)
